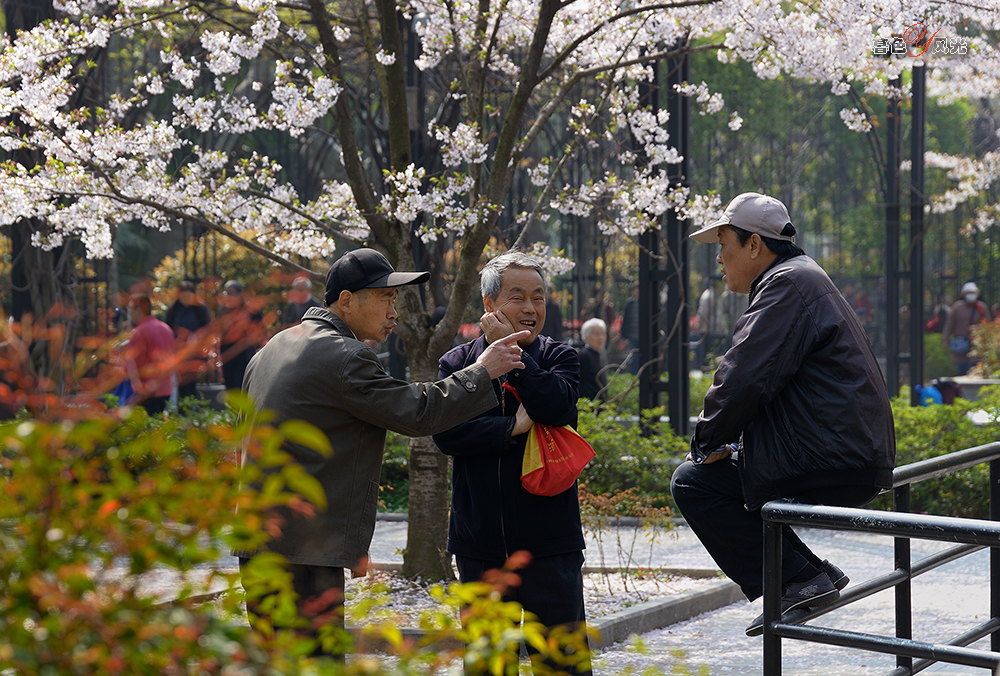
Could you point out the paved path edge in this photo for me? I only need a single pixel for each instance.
(661, 613)
(618, 626)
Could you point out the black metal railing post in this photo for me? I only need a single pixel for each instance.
(995, 552)
(773, 534)
(971, 535)
(901, 560)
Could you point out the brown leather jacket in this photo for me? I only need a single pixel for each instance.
(802, 388)
(318, 372)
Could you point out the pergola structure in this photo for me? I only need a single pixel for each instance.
(914, 271)
(664, 264)
(663, 270)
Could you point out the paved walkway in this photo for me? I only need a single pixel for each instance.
(946, 602)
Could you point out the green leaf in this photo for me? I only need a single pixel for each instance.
(240, 401)
(305, 434)
(305, 484)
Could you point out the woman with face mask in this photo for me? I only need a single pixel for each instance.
(957, 334)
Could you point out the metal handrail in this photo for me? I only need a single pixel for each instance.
(944, 464)
(974, 534)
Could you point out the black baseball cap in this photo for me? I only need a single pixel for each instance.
(366, 269)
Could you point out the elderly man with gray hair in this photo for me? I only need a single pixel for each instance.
(492, 514)
(593, 381)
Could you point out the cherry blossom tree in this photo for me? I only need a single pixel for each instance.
(513, 91)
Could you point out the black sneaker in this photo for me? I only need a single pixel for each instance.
(837, 576)
(819, 591)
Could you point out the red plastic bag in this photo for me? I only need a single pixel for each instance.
(553, 457)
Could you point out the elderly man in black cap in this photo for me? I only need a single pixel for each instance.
(798, 409)
(321, 371)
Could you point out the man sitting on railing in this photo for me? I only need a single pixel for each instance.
(798, 409)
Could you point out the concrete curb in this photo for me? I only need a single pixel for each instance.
(392, 567)
(610, 522)
(664, 612)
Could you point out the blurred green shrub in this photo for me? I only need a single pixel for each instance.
(937, 358)
(625, 458)
(96, 502)
(96, 506)
(395, 479)
(930, 431)
(699, 388)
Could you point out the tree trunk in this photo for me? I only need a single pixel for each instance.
(42, 283)
(427, 530)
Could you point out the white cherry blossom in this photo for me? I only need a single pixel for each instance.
(165, 144)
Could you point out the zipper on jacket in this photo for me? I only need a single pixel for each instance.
(503, 529)
(503, 411)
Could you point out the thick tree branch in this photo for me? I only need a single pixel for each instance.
(356, 176)
(393, 84)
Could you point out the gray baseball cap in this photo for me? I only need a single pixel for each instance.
(752, 212)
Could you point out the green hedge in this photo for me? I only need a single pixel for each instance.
(628, 460)
(395, 479)
(929, 431)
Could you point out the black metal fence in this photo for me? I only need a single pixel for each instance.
(971, 534)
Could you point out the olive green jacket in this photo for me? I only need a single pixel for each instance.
(319, 372)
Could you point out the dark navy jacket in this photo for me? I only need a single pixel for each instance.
(492, 515)
(802, 390)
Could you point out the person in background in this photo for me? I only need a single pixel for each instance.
(148, 355)
(733, 307)
(553, 326)
(939, 317)
(711, 325)
(186, 317)
(857, 300)
(300, 299)
(593, 381)
(630, 329)
(957, 333)
(242, 332)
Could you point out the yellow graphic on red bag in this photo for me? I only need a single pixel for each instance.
(553, 459)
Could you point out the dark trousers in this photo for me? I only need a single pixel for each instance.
(320, 591)
(551, 588)
(155, 405)
(711, 500)
(234, 368)
(187, 390)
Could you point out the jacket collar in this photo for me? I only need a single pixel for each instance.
(323, 315)
(755, 283)
(534, 350)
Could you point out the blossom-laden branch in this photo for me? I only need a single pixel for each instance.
(209, 83)
(972, 177)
